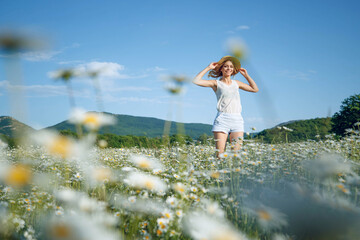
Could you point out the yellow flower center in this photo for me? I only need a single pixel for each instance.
(103, 143)
(226, 236)
(92, 120)
(102, 174)
(18, 176)
(179, 188)
(215, 175)
(61, 231)
(149, 184)
(60, 146)
(144, 164)
(264, 215)
(342, 188)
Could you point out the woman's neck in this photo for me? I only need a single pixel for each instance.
(226, 79)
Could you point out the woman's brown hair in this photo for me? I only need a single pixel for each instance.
(216, 72)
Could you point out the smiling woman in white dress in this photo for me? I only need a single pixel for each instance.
(228, 119)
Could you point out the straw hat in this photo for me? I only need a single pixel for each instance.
(234, 60)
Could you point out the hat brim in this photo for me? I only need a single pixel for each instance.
(234, 60)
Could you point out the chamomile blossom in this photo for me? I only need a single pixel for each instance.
(201, 226)
(145, 162)
(145, 181)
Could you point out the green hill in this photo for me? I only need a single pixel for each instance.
(300, 130)
(141, 126)
(8, 125)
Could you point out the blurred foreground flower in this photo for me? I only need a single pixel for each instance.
(102, 174)
(80, 227)
(91, 120)
(62, 146)
(13, 42)
(201, 226)
(180, 79)
(175, 83)
(267, 217)
(63, 74)
(2, 145)
(17, 176)
(145, 162)
(180, 188)
(102, 143)
(213, 209)
(174, 89)
(327, 165)
(145, 181)
(146, 206)
(237, 48)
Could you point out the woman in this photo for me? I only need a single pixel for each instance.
(228, 119)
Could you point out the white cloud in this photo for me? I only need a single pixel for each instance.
(74, 45)
(155, 69)
(242, 27)
(70, 62)
(298, 75)
(45, 55)
(37, 90)
(3, 83)
(109, 74)
(109, 98)
(106, 69)
(108, 80)
(238, 28)
(38, 56)
(61, 90)
(129, 88)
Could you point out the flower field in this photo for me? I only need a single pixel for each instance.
(55, 187)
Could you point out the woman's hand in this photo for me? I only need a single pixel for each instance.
(243, 72)
(213, 65)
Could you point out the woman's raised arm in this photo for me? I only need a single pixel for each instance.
(205, 83)
(251, 87)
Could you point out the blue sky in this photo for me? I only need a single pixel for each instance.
(302, 54)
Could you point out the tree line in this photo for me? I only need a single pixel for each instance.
(124, 141)
(345, 121)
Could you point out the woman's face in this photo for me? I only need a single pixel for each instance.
(227, 69)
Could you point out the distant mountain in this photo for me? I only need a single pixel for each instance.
(142, 126)
(9, 125)
(300, 130)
